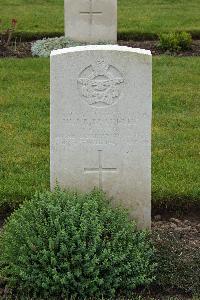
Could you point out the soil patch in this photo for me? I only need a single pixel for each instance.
(187, 227)
(3, 217)
(23, 49)
(20, 50)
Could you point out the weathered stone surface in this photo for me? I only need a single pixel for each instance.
(101, 124)
(91, 20)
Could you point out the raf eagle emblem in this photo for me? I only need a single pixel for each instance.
(100, 84)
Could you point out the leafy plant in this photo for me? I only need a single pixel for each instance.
(43, 48)
(175, 41)
(6, 35)
(185, 40)
(65, 244)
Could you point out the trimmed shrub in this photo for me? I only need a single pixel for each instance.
(66, 244)
(175, 41)
(43, 48)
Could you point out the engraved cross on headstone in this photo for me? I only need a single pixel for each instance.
(100, 169)
(91, 12)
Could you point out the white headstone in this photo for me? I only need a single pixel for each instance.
(91, 20)
(101, 108)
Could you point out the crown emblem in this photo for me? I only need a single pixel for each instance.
(100, 67)
(99, 84)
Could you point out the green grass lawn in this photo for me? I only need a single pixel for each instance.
(24, 130)
(135, 18)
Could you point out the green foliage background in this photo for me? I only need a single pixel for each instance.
(136, 18)
(24, 131)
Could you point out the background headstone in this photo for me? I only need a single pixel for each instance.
(101, 108)
(91, 20)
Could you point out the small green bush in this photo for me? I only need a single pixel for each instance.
(178, 262)
(185, 40)
(65, 244)
(175, 41)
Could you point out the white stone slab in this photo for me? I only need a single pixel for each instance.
(101, 108)
(91, 20)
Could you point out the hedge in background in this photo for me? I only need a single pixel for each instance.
(65, 244)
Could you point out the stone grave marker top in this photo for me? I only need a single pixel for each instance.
(101, 124)
(91, 20)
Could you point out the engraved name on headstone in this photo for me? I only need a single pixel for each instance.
(91, 20)
(101, 124)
